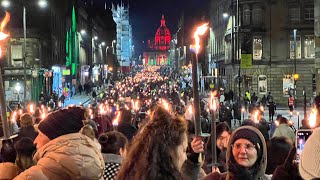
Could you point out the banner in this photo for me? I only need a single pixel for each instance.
(246, 61)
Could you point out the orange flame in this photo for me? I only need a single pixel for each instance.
(115, 122)
(199, 32)
(213, 104)
(255, 117)
(313, 118)
(2, 25)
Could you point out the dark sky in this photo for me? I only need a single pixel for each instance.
(145, 15)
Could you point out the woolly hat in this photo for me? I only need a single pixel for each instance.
(309, 166)
(250, 135)
(61, 122)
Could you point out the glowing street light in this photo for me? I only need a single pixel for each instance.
(5, 3)
(225, 15)
(42, 3)
(83, 32)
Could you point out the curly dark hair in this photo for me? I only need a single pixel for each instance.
(150, 154)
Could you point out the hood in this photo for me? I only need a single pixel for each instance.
(8, 170)
(74, 155)
(263, 160)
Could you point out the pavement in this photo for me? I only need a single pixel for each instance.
(77, 99)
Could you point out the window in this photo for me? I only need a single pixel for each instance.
(257, 48)
(257, 18)
(246, 15)
(309, 46)
(288, 85)
(298, 47)
(16, 55)
(294, 14)
(309, 13)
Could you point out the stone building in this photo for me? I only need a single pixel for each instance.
(274, 40)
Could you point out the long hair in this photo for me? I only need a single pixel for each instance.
(25, 150)
(150, 154)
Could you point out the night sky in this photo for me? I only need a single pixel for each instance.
(145, 15)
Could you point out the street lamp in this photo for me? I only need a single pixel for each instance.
(295, 76)
(5, 3)
(42, 4)
(83, 32)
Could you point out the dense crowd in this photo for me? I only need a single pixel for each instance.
(142, 127)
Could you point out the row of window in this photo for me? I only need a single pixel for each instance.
(308, 47)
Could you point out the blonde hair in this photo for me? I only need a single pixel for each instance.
(88, 131)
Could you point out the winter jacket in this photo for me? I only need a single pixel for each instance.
(232, 175)
(113, 163)
(285, 130)
(8, 170)
(68, 157)
(29, 132)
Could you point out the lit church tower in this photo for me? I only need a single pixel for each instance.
(158, 49)
(162, 37)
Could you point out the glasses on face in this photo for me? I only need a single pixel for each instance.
(247, 147)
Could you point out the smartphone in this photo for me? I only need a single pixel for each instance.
(302, 136)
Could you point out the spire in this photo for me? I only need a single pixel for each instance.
(163, 21)
(73, 25)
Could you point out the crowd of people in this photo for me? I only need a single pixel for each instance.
(142, 128)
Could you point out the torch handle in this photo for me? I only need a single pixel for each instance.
(213, 137)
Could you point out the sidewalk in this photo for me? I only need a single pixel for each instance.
(77, 99)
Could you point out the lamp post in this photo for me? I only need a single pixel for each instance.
(42, 4)
(295, 66)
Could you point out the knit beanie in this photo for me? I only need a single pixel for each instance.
(61, 122)
(309, 166)
(250, 135)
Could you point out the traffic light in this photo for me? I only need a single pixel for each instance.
(296, 76)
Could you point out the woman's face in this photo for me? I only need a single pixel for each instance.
(244, 153)
(181, 154)
(222, 140)
(41, 140)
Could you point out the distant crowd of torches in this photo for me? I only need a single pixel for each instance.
(145, 77)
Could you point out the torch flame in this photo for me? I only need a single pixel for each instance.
(115, 122)
(213, 101)
(199, 32)
(190, 109)
(313, 118)
(2, 25)
(255, 117)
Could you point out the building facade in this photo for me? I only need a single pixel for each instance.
(272, 42)
(158, 51)
(124, 47)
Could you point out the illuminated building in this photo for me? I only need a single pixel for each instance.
(157, 53)
(124, 46)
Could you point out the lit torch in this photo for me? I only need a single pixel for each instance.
(115, 121)
(313, 118)
(213, 107)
